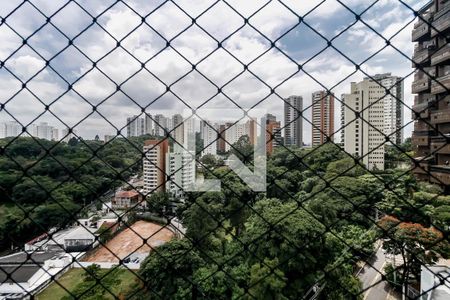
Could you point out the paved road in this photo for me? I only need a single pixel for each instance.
(370, 277)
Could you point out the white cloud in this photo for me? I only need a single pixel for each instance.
(220, 21)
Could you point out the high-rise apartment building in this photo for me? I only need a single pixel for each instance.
(180, 169)
(154, 161)
(10, 129)
(393, 104)
(221, 141)
(293, 121)
(148, 124)
(235, 131)
(41, 131)
(370, 103)
(46, 132)
(210, 137)
(272, 132)
(160, 125)
(322, 117)
(431, 108)
(135, 126)
(178, 128)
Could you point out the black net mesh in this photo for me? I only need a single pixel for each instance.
(224, 149)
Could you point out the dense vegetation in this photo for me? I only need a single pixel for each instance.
(317, 219)
(321, 214)
(45, 184)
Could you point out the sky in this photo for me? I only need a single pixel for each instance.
(124, 61)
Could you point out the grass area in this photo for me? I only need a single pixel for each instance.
(69, 280)
(74, 278)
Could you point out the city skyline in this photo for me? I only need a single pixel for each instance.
(328, 68)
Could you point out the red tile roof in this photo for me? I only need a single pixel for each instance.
(127, 194)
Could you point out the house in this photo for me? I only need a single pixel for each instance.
(79, 239)
(126, 199)
(23, 274)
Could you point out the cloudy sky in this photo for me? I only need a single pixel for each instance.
(121, 57)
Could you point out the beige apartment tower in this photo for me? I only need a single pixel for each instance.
(369, 114)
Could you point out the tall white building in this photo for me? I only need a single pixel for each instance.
(148, 123)
(293, 121)
(393, 106)
(209, 137)
(10, 129)
(44, 131)
(160, 125)
(41, 131)
(377, 115)
(236, 131)
(178, 129)
(180, 166)
(55, 134)
(135, 126)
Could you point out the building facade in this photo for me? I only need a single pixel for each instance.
(148, 123)
(210, 137)
(322, 117)
(177, 132)
(234, 131)
(160, 125)
(135, 126)
(293, 121)
(41, 131)
(272, 132)
(431, 109)
(126, 200)
(362, 123)
(154, 161)
(181, 170)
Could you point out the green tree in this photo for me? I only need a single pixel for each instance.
(416, 244)
(158, 203)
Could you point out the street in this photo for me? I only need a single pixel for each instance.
(370, 276)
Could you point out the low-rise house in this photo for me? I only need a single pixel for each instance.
(24, 274)
(126, 199)
(79, 239)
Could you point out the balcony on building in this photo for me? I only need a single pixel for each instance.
(421, 29)
(441, 56)
(441, 84)
(422, 126)
(420, 138)
(423, 166)
(423, 104)
(421, 83)
(440, 116)
(440, 174)
(422, 54)
(439, 145)
(441, 21)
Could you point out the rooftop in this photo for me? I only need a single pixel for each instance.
(17, 274)
(33, 258)
(127, 194)
(80, 233)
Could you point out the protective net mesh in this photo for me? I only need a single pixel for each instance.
(351, 207)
